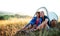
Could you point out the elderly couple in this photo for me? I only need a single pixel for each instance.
(39, 22)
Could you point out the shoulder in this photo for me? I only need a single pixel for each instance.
(45, 17)
(35, 17)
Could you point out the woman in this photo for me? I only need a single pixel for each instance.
(35, 22)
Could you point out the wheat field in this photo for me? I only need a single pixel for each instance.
(12, 25)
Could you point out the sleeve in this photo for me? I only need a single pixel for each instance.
(32, 22)
(47, 19)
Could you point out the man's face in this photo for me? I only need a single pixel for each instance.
(42, 14)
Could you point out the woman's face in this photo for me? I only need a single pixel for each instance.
(38, 14)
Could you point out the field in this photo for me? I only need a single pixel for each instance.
(12, 25)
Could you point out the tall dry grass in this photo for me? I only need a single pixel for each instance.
(11, 26)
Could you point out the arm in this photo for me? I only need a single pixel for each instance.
(31, 22)
(43, 24)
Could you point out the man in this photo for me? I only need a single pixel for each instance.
(45, 21)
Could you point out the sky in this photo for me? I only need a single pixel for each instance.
(29, 7)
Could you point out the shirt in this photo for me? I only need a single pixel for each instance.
(45, 17)
(33, 21)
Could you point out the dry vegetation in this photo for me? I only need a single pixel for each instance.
(11, 26)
